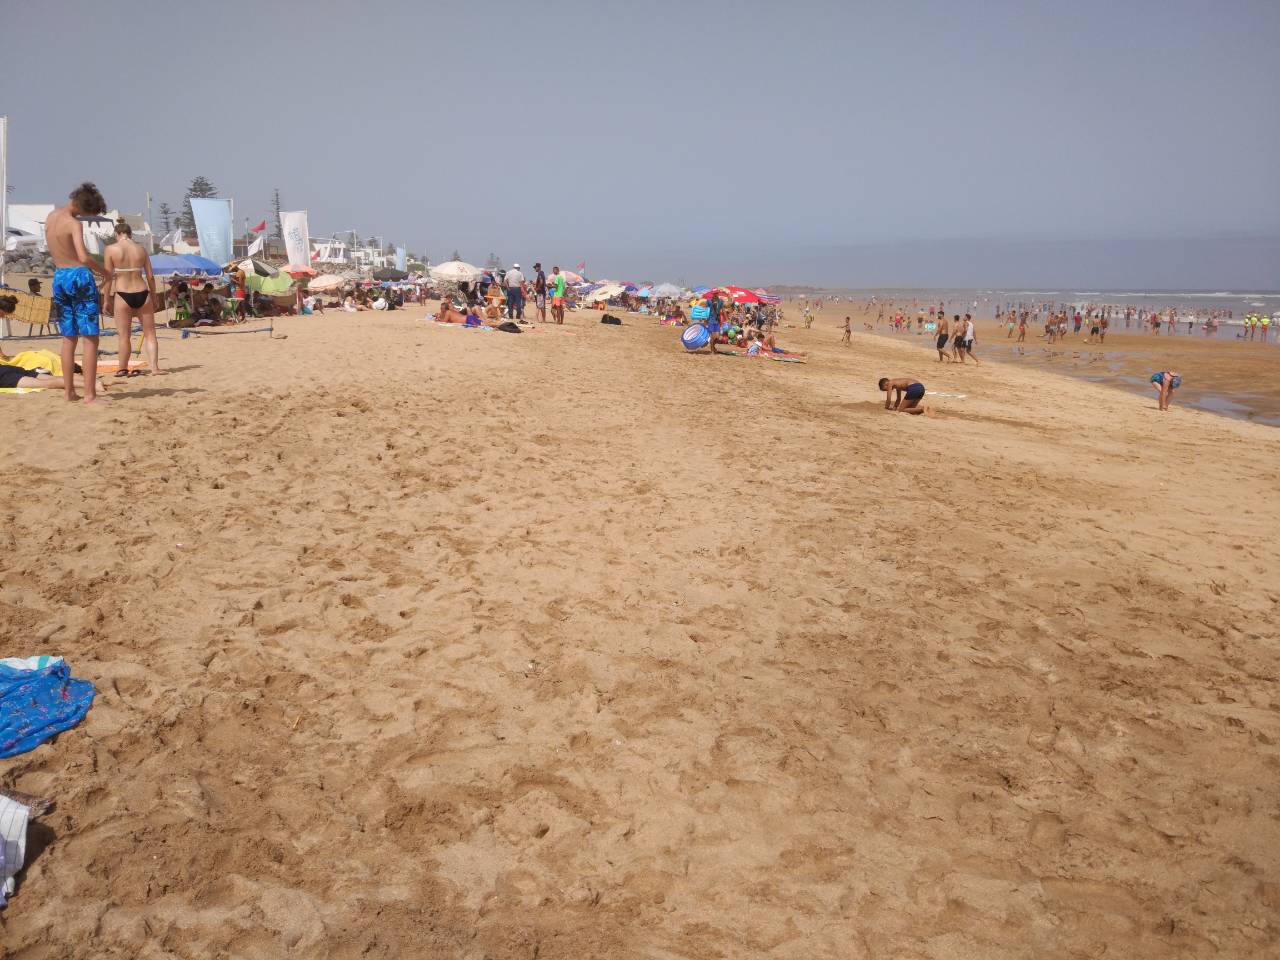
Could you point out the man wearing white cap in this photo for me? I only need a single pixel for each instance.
(515, 293)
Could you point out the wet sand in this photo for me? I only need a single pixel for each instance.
(415, 641)
(1234, 378)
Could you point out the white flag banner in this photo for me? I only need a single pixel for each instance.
(256, 246)
(170, 239)
(297, 239)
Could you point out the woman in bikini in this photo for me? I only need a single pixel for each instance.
(132, 289)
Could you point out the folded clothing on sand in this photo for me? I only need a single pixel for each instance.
(38, 702)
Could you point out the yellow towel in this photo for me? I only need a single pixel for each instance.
(38, 359)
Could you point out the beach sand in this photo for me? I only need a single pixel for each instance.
(423, 642)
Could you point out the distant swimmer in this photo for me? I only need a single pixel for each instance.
(1166, 381)
(903, 395)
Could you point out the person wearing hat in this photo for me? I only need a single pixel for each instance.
(540, 291)
(514, 281)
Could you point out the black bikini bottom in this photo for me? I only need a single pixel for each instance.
(134, 300)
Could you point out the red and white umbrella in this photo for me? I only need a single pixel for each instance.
(735, 294)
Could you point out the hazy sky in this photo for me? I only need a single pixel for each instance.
(908, 143)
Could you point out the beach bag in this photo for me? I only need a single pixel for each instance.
(509, 327)
(612, 320)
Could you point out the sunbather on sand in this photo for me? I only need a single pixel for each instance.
(13, 376)
(450, 314)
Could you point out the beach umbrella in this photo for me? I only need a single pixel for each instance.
(202, 264)
(666, 290)
(737, 294)
(326, 281)
(606, 292)
(570, 276)
(299, 270)
(389, 273)
(456, 271)
(181, 265)
(250, 265)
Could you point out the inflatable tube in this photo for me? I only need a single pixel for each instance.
(695, 337)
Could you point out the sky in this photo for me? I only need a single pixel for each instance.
(920, 143)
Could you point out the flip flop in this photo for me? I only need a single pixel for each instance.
(121, 374)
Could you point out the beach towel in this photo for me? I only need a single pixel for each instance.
(39, 702)
(13, 843)
(37, 360)
(15, 390)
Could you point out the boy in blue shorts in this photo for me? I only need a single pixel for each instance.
(75, 288)
(903, 395)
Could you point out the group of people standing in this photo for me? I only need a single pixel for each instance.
(127, 282)
(517, 289)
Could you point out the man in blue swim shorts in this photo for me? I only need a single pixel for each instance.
(75, 287)
(903, 395)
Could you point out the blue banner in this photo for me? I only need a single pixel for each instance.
(402, 259)
(213, 227)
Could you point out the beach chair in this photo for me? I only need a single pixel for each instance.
(34, 312)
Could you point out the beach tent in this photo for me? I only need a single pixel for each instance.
(456, 271)
(275, 286)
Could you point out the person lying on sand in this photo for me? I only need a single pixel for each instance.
(449, 313)
(903, 395)
(1166, 381)
(15, 376)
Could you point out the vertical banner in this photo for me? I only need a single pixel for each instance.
(402, 259)
(297, 238)
(213, 227)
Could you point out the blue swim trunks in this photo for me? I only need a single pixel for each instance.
(75, 294)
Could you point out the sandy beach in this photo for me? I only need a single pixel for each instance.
(413, 641)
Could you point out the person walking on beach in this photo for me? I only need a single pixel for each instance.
(540, 291)
(944, 334)
(848, 333)
(557, 295)
(1166, 381)
(514, 281)
(1022, 327)
(75, 289)
(132, 289)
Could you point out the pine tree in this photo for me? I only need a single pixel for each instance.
(166, 218)
(275, 207)
(457, 255)
(200, 187)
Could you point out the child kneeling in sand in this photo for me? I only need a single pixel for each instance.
(903, 395)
